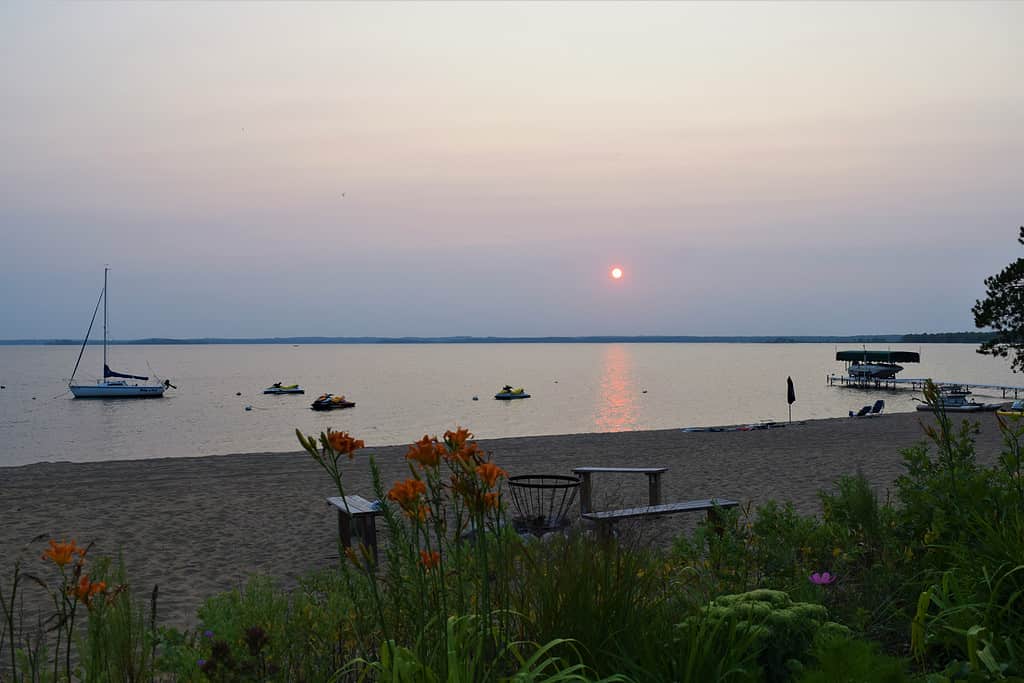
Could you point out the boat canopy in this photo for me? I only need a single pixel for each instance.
(879, 356)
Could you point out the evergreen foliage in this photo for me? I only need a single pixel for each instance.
(1002, 310)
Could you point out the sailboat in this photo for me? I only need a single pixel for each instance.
(114, 384)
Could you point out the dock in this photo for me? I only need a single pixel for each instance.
(917, 384)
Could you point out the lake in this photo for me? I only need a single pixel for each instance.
(404, 391)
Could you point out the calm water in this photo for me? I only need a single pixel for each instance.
(405, 391)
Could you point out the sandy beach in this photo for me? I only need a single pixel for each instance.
(198, 526)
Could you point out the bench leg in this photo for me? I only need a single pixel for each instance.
(715, 521)
(345, 528)
(654, 488)
(366, 526)
(585, 493)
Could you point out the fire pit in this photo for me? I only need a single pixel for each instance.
(542, 501)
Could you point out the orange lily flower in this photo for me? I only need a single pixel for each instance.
(86, 589)
(468, 453)
(342, 442)
(491, 500)
(430, 560)
(489, 473)
(427, 452)
(457, 438)
(60, 553)
(407, 494)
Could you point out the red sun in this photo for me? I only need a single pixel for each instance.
(616, 273)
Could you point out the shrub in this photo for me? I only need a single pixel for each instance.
(843, 660)
(783, 631)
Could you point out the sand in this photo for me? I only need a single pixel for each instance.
(198, 526)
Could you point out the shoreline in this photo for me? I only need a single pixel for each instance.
(778, 425)
(200, 525)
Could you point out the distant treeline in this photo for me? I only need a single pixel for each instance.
(924, 338)
(948, 337)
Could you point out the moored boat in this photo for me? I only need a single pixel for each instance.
(866, 365)
(331, 402)
(113, 384)
(278, 388)
(952, 398)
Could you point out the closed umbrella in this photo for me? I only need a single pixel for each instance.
(790, 396)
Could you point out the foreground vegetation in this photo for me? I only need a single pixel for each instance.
(927, 586)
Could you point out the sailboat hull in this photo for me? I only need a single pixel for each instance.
(103, 390)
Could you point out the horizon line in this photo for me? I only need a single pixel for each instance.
(919, 337)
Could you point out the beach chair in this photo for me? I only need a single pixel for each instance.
(862, 412)
(877, 408)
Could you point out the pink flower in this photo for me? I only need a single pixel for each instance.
(822, 579)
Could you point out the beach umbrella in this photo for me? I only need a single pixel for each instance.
(790, 396)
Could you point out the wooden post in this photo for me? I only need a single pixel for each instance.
(344, 528)
(585, 492)
(366, 526)
(715, 521)
(654, 488)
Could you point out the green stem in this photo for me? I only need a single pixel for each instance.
(71, 628)
(9, 617)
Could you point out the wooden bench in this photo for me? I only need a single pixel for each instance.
(655, 507)
(606, 519)
(361, 512)
(709, 504)
(587, 490)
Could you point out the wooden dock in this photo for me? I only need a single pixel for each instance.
(917, 384)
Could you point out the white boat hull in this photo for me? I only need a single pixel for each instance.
(966, 408)
(102, 390)
(874, 370)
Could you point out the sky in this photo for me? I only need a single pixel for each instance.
(393, 169)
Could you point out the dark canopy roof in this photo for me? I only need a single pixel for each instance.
(880, 356)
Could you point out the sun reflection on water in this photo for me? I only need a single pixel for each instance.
(616, 409)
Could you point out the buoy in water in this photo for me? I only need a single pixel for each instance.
(248, 407)
(644, 391)
(476, 398)
(238, 393)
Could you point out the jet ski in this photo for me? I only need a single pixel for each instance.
(331, 402)
(507, 393)
(1015, 409)
(278, 388)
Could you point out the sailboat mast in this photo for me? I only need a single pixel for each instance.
(105, 269)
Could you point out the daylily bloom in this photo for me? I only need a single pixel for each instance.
(342, 442)
(467, 453)
(491, 500)
(822, 579)
(60, 553)
(427, 452)
(407, 494)
(86, 589)
(430, 560)
(489, 473)
(456, 439)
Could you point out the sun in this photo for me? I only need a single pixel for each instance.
(616, 273)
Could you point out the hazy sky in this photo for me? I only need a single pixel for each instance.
(755, 168)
